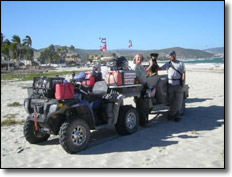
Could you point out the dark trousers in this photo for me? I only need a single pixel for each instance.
(175, 99)
(143, 109)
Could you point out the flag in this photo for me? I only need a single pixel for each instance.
(102, 40)
(103, 48)
(130, 44)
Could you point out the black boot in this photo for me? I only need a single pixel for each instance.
(143, 122)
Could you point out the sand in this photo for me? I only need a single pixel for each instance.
(195, 142)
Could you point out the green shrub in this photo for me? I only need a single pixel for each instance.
(10, 116)
(26, 76)
(9, 122)
(15, 104)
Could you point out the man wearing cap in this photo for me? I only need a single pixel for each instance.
(176, 74)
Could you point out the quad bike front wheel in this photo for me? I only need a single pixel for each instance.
(74, 136)
(33, 136)
(128, 120)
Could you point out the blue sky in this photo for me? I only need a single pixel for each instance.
(150, 24)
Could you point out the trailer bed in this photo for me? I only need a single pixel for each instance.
(127, 90)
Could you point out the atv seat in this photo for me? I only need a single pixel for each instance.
(98, 91)
(100, 88)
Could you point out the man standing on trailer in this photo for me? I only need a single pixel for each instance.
(176, 80)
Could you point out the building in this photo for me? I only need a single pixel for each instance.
(72, 57)
(99, 56)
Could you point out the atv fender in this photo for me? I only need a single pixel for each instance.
(116, 107)
(83, 112)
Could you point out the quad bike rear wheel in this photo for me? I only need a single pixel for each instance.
(128, 120)
(33, 136)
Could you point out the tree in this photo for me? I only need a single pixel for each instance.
(51, 53)
(17, 41)
(5, 49)
(30, 55)
(13, 50)
(42, 57)
(17, 50)
(26, 49)
(72, 48)
(27, 41)
(56, 57)
(62, 52)
(2, 38)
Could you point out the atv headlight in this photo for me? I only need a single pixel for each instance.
(26, 105)
(52, 108)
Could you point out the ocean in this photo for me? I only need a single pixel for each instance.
(204, 62)
(218, 62)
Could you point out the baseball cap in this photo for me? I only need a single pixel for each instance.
(173, 53)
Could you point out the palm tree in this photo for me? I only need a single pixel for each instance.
(71, 48)
(62, 52)
(27, 42)
(16, 40)
(6, 50)
(52, 52)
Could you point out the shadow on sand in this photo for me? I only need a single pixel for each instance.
(158, 131)
(192, 100)
(156, 134)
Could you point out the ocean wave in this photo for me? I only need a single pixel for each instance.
(206, 62)
(206, 65)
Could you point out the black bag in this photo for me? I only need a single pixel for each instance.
(97, 75)
(181, 81)
(45, 86)
(120, 63)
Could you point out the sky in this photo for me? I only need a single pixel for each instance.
(149, 24)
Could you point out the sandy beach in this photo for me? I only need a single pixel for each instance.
(197, 141)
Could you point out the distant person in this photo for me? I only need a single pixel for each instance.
(176, 80)
(142, 104)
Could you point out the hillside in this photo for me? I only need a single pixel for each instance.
(181, 52)
(218, 50)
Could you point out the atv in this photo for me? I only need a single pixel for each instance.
(72, 119)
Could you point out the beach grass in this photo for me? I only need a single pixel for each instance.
(26, 76)
(14, 104)
(11, 121)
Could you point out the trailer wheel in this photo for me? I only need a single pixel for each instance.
(74, 136)
(128, 120)
(182, 109)
(33, 136)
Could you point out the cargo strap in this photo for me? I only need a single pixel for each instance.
(171, 65)
(35, 121)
